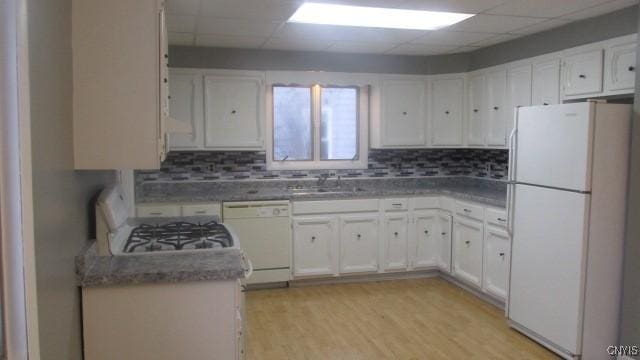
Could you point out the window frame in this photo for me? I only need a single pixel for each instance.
(362, 114)
(357, 89)
(271, 124)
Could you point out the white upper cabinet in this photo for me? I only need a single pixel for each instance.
(582, 73)
(314, 246)
(403, 117)
(425, 249)
(518, 92)
(496, 262)
(496, 111)
(620, 67)
(186, 106)
(396, 241)
(120, 98)
(476, 110)
(467, 250)
(358, 243)
(447, 101)
(545, 88)
(234, 112)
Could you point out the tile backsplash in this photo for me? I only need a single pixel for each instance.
(237, 165)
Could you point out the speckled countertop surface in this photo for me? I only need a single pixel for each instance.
(485, 191)
(93, 270)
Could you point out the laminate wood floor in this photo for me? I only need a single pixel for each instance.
(400, 319)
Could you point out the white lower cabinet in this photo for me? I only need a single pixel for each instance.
(425, 250)
(396, 241)
(314, 245)
(496, 262)
(444, 249)
(467, 250)
(358, 243)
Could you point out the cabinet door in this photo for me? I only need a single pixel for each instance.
(444, 254)
(233, 112)
(518, 93)
(426, 248)
(546, 83)
(496, 120)
(620, 67)
(476, 111)
(446, 114)
(467, 250)
(186, 107)
(496, 262)
(395, 241)
(582, 73)
(403, 113)
(358, 244)
(314, 240)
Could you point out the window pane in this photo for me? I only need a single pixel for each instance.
(292, 131)
(339, 126)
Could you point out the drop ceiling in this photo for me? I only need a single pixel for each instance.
(261, 24)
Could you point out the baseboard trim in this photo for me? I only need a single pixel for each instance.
(476, 292)
(346, 279)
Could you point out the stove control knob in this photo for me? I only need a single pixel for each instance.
(276, 212)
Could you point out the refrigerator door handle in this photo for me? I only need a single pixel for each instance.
(512, 174)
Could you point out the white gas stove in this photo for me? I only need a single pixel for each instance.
(117, 234)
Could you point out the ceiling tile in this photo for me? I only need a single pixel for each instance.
(442, 37)
(181, 38)
(361, 47)
(181, 23)
(543, 8)
(183, 7)
(600, 9)
(494, 23)
(496, 39)
(345, 33)
(214, 40)
(417, 49)
(250, 9)
(545, 25)
(236, 27)
(464, 6)
(297, 44)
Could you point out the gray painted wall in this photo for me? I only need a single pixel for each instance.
(630, 327)
(619, 23)
(61, 195)
(252, 59)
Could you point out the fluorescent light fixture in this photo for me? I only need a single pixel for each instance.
(346, 15)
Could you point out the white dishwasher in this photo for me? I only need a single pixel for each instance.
(264, 232)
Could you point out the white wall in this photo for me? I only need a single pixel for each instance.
(61, 195)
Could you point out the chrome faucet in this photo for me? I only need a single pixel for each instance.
(322, 179)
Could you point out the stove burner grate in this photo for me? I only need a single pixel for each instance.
(178, 235)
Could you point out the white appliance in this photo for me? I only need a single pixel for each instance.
(265, 230)
(567, 197)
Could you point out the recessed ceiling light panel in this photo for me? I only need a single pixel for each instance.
(345, 15)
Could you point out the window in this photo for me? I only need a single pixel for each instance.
(317, 127)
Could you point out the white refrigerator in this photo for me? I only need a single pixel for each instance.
(567, 204)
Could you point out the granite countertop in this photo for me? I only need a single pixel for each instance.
(205, 265)
(485, 191)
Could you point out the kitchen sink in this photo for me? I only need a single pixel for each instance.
(324, 190)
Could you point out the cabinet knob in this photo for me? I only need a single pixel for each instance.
(313, 238)
(475, 110)
(582, 76)
(165, 80)
(447, 112)
(404, 113)
(359, 236)
(632, 68)
(501, 219)
(467, 242)
(545, 104)
(501, 254)
(166, 56)
(426, 231)
(495, 108)
(444, 233)
(233, 112)
(467, 210)
(395, 233)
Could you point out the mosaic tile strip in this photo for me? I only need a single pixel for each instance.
(238, 165)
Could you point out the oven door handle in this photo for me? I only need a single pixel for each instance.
(248, 266)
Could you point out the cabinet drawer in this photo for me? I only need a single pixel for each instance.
(201, 210)
(335, 206)
(496, 217)
(470, 210)
(157, 210)
(395, 204)
(426, 203)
